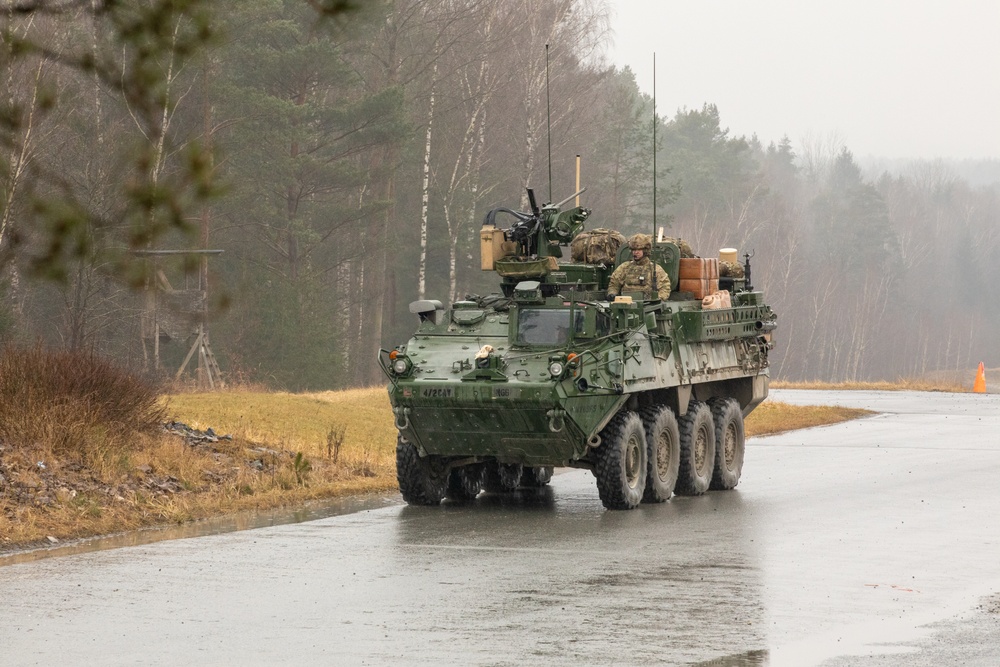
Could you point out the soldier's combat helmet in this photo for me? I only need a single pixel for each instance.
(640, 242)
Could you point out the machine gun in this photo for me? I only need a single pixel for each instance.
(541, 232)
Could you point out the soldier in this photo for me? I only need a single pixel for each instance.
(637, 275)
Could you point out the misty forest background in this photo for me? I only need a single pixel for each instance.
(344, 165)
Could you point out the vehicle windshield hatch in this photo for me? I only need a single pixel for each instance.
(548, 326)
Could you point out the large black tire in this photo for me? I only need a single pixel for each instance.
(697, 450)
(620, 462)
(422, 481)
(536, 477)
(663, 452)
(466, 482)
(502, 477)
(730, 442)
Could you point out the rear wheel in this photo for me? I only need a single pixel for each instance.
(422, 481)
(536, 477)
(697, 450)
(502, 477)
(730, 443)
(466, 482)
(620, 462)
(663, 452)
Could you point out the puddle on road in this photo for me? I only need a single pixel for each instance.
(748, 659)
(215, 526)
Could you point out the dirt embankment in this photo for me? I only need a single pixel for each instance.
(268, 450)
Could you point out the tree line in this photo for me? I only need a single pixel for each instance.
(343, 157)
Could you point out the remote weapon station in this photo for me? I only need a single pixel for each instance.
(648, 392)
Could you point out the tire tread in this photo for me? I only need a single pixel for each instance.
(724, 409)
(650, 416)
(608, 464)
(417, 484)
(688, 481)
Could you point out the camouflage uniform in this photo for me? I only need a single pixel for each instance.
(637, 276)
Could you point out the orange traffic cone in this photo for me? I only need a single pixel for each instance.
(980, 384)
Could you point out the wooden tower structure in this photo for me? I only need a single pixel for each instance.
(177, 314)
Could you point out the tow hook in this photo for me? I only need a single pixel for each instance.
(557, 420)
(402, 418)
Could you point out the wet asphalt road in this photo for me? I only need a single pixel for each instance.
(840, 542)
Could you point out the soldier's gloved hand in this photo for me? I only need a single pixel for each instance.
(611, 296)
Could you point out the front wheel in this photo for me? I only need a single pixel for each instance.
(502, 477)
(422, 481)
(697, 450)
(620, 462)
(536, 477)
(465, 483)
(730, 443)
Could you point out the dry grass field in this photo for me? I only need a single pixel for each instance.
(83, 450)
(903, 384)
(772, 417)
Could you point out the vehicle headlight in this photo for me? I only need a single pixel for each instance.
(556, 368)
(401, 365)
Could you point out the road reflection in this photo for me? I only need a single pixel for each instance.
(748, 659)
(551, 577)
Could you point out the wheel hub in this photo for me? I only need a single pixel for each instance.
(663, 456)
(633, 457)
(701, 450)
(730, 446)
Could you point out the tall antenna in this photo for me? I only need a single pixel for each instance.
(548, 118)
(654, 148)
(652, 239)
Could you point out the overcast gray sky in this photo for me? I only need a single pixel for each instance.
(888, 78)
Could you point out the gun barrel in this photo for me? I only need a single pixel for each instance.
(764, 327)
(575, 194)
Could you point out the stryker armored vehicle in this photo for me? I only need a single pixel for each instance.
(650, 395)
